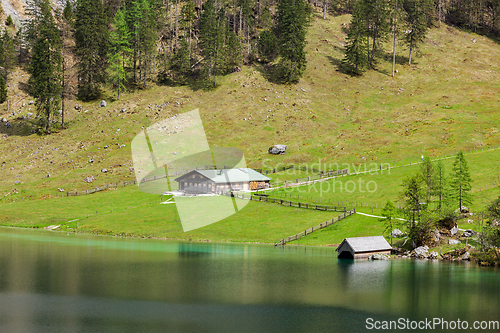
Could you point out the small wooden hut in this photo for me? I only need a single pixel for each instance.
(363, 247)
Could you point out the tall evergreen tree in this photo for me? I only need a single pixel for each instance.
(417, 20)
(147, 35)
(389, 216)
(7, 52)
(460, 183)
(45, 66)
(212, 34)
(356, 42)
(427, 170)
(291, 22)
(412, 195)
(180, 64)
(377, 14)
(440, 184)
(3, 87)
(119, 51)
(91, 37)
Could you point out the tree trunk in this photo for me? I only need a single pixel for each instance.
(394, 52)
(325, 4)
(411, 47)
(62, 94)
(373, 47)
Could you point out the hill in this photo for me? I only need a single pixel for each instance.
(444, 102)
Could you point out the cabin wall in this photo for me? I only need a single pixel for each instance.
(365, 255)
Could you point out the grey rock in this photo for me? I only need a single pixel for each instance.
(4, 120)
(469, 233)
(106, 147)
(462, 209)
(89, 179)
(91, 161)
(432, 255)
(104, 170)
(175, 153)
(17, 182)
(78, 107)
(131, 169)
(278, 149)
(396, 233)
(29, 114)
(103, 104)
(452, 241)
(466, 256)
(31, 103)
(379, 256)
(60, 189)
(454, 230)
(123, 110)
(421, 252)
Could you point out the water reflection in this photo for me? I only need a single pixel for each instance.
(89, 283)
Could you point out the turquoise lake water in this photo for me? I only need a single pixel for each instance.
(53, 282)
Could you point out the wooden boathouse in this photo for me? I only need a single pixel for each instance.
(221, 181)
(363, 247)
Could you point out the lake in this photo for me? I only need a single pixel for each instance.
(58, 282)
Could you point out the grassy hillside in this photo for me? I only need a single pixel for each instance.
(446, 101)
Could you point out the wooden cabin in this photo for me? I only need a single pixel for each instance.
(222, 181)
(363, 247)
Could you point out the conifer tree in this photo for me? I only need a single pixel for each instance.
(7, 52)
(146, 34)
(91, 37)
(440, 184)
(356, 42)
(233, 52)
(3, 87)
(119, 51)
(460, 183)
(427, 170)
(212, 33)
(68, 13)
(268, 45)
(45, 66)
(180, 64)
(416, 22)
(292, 21)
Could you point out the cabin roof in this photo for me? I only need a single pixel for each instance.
(230, 175)
(367, 244)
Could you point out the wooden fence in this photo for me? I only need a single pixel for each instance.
(296, 204)
(320, 226)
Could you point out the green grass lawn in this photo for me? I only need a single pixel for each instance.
(130, 212)
(375, 188)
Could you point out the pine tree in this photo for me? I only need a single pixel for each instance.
(45, 66)
(9, 21)
(377, 15)
(460, 184)
(3, 88)
(356, 42)
(268, 45)
(7, 52)
(146, 34)
(440, 184)
(68, 13)
(180, 64)
(233, 53)
(91, 37)
(212, 33)
(427, 170)
(291, 22)
(412, 195)
(119, 51)
(389, 213)
(417, 20)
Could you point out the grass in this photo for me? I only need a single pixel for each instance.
(376, 187)
(130, 212)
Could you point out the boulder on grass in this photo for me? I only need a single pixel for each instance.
(278, 149)
(396, 233)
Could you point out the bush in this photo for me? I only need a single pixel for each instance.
(9, 21)
(3, 89)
